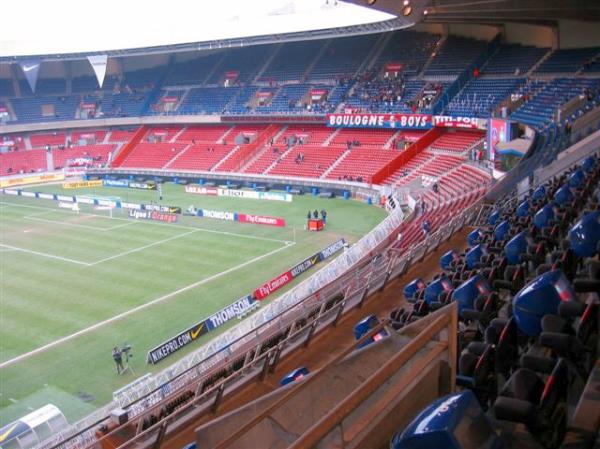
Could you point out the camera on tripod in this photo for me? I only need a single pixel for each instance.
(126, 351)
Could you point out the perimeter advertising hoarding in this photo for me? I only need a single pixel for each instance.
(174, 344)
(152, 215)
(213, 191)
(33, 179)
(235, 310)
(82, 184)
(285, 278)
(397, 121)
(261, 219)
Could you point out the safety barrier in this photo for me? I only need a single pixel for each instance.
(234, 358)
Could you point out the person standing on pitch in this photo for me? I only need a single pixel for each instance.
(118, 358)
(324, 216)
(316, 214)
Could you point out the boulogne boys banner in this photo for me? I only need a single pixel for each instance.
(397, 121)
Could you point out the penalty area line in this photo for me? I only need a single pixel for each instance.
(120, 316)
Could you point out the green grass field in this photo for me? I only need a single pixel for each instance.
(73, 285)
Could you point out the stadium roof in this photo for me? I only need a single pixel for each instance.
(62, 27)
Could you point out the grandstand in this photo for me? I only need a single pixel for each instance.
(477, 143)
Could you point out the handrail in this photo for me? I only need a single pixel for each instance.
(231, 349)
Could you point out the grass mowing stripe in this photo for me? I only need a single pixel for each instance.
(138, 308)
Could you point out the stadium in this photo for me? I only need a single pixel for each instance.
(300, 224)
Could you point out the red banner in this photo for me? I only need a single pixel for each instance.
(264, 94)
(170, 100)
(274, 284)
(394, 67)
(213, 191)
(232, 74)
(87, 106)
(261, 219)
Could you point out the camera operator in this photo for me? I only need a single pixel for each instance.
(118, 358)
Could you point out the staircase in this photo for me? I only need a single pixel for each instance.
(129, 146)
(176, 136)
(227, 157)
(220, 140)
(267, 63)
(260, 153)
(540, 62)
(439, 45)
(182, 99)
(331, 137)
(388, 144)
(337, 162)
(378, 48)
(284, 154)
(214, 69)
(174, 158)
(107, 137)
(312, 64)
(245, 153)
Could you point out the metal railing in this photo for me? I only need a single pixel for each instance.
(292, 320)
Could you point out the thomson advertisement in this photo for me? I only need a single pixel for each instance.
(235, 310)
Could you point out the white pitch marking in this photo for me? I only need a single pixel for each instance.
(38, 253)
(157, 223)
(140, 307)
(14, 401)
(141, 248)
(75, 225)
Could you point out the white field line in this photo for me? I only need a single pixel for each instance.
(74, 225)
(140, 307)
(156, 223)
(142, 248)
(91, 264)
(38, 253)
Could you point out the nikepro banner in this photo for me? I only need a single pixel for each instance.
(174, 344)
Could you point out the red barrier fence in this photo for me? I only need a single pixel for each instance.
(428, 138)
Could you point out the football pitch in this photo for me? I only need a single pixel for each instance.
(75, 284)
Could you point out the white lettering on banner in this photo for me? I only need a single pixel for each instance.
(84, 200)
(46, 196)
(28, 194)
(333, 248)
(64, 198)
(131, 206)
(107, 203)
(301, 268)
(234, 310)
(136, 213)
(230, 216)
(13, 192)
